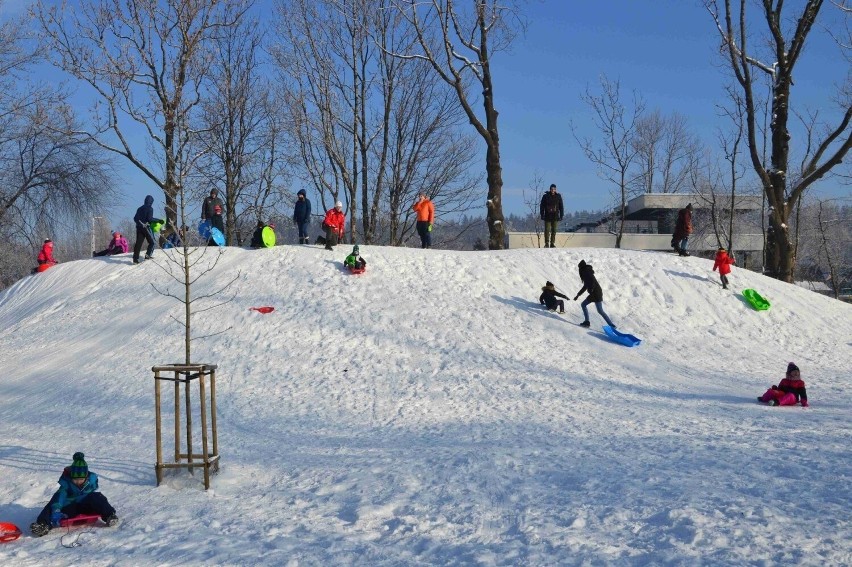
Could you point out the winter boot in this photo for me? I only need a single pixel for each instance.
(585, 324)
(39, 528)
(112, 520)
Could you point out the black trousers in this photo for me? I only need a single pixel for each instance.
(94, 503)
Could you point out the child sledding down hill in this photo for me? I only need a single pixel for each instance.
(788, 392)
(354, 261)
(77, 494)
(548, 298)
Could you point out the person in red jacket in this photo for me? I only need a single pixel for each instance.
(45, 256)
(788, 392)
(425, 210)
(334, 224)
(723, 263)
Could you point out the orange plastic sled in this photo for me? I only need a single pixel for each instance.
(9, 532)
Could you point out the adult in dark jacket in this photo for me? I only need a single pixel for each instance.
(212, 209)
(302, 215)
(683, 228)
(548, 298)
(143, 217)
(551, 213)
(257, 237)
(590, 284)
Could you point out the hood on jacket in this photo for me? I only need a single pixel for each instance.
(302, 193)
(149, 200)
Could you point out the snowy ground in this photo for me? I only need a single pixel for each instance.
(429, 412)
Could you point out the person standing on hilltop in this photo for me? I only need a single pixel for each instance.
(683, 228)
(425, 210)
(551, 211)
(302, 215)
(143, 217)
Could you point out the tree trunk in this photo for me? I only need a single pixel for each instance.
(496, 228)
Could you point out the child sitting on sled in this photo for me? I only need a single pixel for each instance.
(118, 245)
(77, 495)
(354, 261)
(788, 392)
(548, 298)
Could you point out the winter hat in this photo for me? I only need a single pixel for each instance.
(79, 468)
(48, 242)
(339, 205)
(549, 284)
(553, 185)
(792, 368)
(689, 206)
(581, 264)
(355, 251)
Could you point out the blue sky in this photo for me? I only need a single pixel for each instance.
(666, 50)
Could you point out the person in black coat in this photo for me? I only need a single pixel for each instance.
(143, 217)
(590, 284)
(548, 298)
(551, 213)
(257, 237)
(302, 215)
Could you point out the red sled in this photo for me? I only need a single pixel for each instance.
(80, 520)
(357, 270)
(264, 310)
(9, 532)
(43, 267)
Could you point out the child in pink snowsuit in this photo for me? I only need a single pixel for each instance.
(788, 392)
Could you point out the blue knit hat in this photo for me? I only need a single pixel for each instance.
(79, 468)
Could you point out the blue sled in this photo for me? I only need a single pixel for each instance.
(623, 338)
(207, 232)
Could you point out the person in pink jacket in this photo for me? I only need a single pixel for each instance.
(118, 245)
(334, 224)
(723, 264)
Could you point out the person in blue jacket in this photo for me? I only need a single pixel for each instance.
(77, 494)
(143, 217)
(302, 215)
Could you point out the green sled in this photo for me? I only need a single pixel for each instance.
(755, 300)
(268, 237)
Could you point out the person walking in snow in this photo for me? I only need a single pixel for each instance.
(118, 245)
(334, 224)
(590, 284)
(77, 494)
(788, 392)
(551, 212)
(425, 210)
(683, 228)
(143, 217)
(302, 215)
(723, 264)
(548, 298)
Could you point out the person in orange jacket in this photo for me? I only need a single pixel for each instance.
(723, 263)
(425, 217)
(334, 224)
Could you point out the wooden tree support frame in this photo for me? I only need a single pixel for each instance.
(186, 374)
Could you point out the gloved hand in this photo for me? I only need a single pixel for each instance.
(56, 517)
(430, 228)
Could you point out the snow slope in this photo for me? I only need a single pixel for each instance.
(429, 412)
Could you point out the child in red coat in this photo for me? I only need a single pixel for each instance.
(723, 263)
(788, 392)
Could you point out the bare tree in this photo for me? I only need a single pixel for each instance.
(146, 61)
(782, 193)
(459, 44)
(665, 152)
(239, 129)
(47, 177)
(532, 201)
(370, 129)
(615, 153)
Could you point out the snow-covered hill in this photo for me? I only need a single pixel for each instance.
(429, 412)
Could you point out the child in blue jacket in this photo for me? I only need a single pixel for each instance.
(77, 494)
